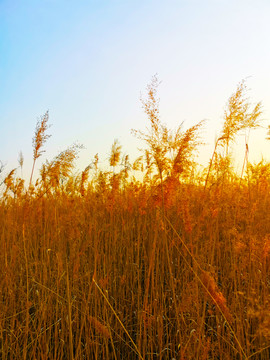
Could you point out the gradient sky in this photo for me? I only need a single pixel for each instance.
(87, 62)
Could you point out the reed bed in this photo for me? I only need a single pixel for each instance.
(100, 265)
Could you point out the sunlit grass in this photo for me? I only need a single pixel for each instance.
(101, 265)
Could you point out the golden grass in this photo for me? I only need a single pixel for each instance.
(102, 266)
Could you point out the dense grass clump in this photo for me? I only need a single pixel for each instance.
(101, 265)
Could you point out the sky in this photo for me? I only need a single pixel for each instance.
(88, 63)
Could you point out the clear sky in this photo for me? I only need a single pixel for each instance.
(87, 61)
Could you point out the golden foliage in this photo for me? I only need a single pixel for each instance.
(183, 267)
(115, 153)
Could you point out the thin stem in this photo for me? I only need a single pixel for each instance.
(117, 317)
(210, 165)
(69, 316)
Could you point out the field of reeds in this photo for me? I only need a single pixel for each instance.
(147, 260)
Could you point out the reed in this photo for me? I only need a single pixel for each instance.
(149, 259)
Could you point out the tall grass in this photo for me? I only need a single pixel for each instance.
(101, 265)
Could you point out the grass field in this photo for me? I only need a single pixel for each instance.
(101, 265)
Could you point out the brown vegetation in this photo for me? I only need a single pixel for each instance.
(101, 265)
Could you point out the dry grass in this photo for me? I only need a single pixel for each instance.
(102, 266)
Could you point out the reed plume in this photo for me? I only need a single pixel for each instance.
(9, 181)
(215, 295)
(84, 178)
(99, 327)
(60, 167)
(171, 151)
(115, 153)
(39, 140)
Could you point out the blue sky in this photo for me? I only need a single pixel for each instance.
(87, 62)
